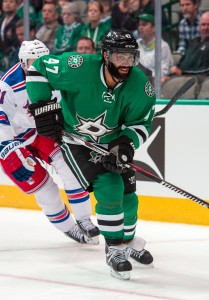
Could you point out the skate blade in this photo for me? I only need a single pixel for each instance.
(120, 275)
(92, 240)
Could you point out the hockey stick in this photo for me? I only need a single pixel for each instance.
(157, 179)
(183, 89)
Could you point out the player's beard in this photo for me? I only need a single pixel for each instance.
(114, 71)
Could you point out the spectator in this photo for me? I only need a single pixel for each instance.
(37, 4)
(47, 30)
(130, 21)
(19, 30)
(95, 29)
(196, 58)
(32, 11)
(85, 45)
(40, 15)
(146, 28)
(81, 4)
(189, 26)
(107, 9)
(119, 12)
(68, 34)
(148, 7)
(8, 39)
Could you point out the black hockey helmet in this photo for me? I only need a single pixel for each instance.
(120, 41)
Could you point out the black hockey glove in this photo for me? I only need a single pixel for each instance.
(48, 118)
(121, 152)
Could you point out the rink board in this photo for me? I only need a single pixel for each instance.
(177, 150)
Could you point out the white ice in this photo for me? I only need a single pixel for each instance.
(37, 262)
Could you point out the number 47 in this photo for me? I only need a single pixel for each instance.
(53, 69)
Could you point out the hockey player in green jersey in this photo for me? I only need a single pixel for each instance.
(107, 100)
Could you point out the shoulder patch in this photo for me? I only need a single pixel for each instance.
(149, 90)
(75, 61)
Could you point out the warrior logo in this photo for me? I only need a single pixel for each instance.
(75, 61)
(149, 90)
(47, 108)
(95, 128)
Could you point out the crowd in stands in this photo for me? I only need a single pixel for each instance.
(79, 25)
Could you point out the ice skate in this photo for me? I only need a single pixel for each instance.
(116, 258)
(80, 237)
(135, 249)
(89, 229)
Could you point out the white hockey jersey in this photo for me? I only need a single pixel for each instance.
(15, 121)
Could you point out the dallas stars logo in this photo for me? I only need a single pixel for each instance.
(149, 90)
(75, 61)
(95, 157)
(95, 128)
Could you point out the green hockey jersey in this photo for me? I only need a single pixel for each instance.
(89, 107)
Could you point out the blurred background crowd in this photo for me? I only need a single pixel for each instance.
(79, 25)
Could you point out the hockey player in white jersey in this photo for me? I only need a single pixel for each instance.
(21, 150)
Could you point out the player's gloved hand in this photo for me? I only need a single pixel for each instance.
(121, 151)
(18, 161)
(48, 117)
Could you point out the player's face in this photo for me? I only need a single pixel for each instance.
(121, 64)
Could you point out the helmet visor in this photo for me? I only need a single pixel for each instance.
(124, 58)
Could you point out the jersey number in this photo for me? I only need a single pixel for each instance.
(53, 69)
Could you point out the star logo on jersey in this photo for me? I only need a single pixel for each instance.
(95, 157)
(149, 90)
(95, 128)
(75, 61)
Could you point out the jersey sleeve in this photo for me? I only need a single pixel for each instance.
(7, 111)
(38, 87)
(140, 112)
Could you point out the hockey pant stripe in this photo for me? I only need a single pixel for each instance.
(68, 155)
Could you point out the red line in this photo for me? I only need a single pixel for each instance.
(88, 287)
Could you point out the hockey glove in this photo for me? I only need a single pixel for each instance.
(18, 161)
(121, 151)
(49, 119)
